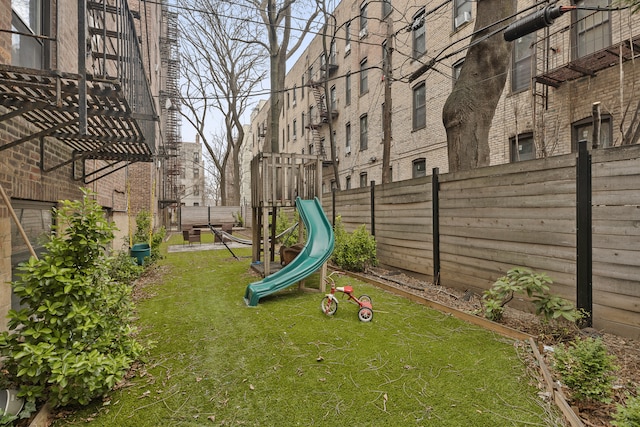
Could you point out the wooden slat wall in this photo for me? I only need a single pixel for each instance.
(354, 206)
(403, 219)
(616, 239)
(520, 214)
(199, 215)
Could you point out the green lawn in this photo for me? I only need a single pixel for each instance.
(215, 361)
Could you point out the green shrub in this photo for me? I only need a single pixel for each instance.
(535, 286)
(144, 234)
(239, 220)
(283, 222)
(356, 251)
(71, 341)
(586, 368)
(628, 415)
(123, 268)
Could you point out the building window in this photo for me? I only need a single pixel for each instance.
(196, 190)
(583, 130)
(347, 38)
(311, 73)
(363, 179)
(419, 167)
(302, 124)
(288, 133)
(196, 157)
(347, 89)
(364, 84)
(363, 20)
(28, 18)
(295, 129)
(334, 101)
(364, 130)
(311, 147)
(347, 138)
(419, 107)
(288, 100)
(302, 88)
(332, 53)
(457, 68)
(461, 12)
(294, 95)
(386, 8)
(418, 34)
(521, 62)
(592, 29)
(196, 172)
(347, 182)
(522, 148)
(182, 173)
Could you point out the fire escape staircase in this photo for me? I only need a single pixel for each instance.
(116, 127)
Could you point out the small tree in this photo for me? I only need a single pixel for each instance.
(72, 340)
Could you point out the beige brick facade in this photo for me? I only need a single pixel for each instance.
(552, 127)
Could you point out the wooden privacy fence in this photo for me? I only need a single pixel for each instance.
(577, 218)
(201, 216)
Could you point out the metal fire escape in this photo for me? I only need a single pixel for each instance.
(104, 112)
(170, 105)
(557, 61)
(319, 118)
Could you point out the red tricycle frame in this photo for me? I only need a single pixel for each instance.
(329, 304)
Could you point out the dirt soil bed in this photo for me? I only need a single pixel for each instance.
(626, 351)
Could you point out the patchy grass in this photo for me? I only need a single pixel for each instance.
(215, 361)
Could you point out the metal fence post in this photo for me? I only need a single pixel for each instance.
(373, 208)
(584, 271)
(435, 223)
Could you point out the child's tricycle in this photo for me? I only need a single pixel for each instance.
(329, 304)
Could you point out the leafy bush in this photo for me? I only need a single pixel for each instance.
(535, 286)
(356, 251)
(628, 415)
(124, 269)
(283, 222)
(239, 220)
(144, 234)
(587, 369)
(71, 341)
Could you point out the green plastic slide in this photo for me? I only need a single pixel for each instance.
(317, 250)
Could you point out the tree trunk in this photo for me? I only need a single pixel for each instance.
(469, 110)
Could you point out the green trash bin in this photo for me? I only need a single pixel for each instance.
(139, 251)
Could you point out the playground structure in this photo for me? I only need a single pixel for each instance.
(280, 181)
(277, 179)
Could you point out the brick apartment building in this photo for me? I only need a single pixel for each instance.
(77, 113)
(556, 76)
(192, 174)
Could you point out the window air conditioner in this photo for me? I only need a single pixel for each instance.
(463, 18)
(347, 49)
(347, 150)
(363, 32)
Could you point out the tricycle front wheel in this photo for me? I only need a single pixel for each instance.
(329, 306)
(365, 314)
